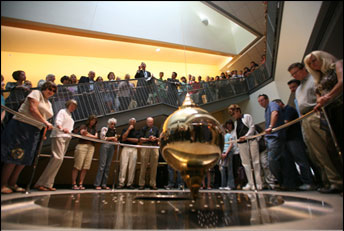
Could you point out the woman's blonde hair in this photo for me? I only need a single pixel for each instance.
(327, 61)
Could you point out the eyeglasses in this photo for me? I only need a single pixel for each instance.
(52, 89)
(293, 74)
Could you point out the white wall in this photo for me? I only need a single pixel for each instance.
(167, 21)
(297, 25)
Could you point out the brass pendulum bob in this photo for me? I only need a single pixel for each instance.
(191, 142)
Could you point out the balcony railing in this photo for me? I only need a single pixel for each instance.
(111, 97)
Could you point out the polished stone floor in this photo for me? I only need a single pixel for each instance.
(171, 209)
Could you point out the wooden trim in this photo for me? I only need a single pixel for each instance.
(5, 21)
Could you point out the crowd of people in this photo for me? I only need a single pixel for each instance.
(21, 81)
(303, 156)
(118, 95)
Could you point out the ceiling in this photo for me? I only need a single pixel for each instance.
(245, 13)
(249, 14)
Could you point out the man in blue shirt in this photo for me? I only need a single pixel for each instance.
(278, 163)
(295, 145)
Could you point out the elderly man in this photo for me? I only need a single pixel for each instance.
(89, 79)
(249, 151)
(49, 77)
(129, 155)
(149, 136)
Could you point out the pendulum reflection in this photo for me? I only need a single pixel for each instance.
(134, 210)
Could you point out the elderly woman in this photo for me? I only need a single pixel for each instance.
(84, 151)
(20, 139)
(59, 144)
(328, 76)
(105, 154)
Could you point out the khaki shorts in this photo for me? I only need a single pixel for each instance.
(83, 155)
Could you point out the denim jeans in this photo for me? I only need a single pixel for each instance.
(297, 150)
(227, 176)
(105, 158)
(275, 148)
(171, 181)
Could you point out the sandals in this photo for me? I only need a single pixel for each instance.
(16, 188)
(81, 187)
(105, 187)
(42, 188)
(75, 187)
(6, 190)
(98, 188)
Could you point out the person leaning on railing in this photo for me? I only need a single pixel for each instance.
(84, 151)
(106, 153)
(59, 144)
(328, 75)
(21, 136)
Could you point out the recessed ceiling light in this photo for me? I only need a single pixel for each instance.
(157, 49)
(205, 21)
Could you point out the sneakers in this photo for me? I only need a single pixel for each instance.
(306, 187)
(251, 187)
(247, 187)
(332, 189)
(227, 188)
(168, 187)
(274, 186)
(221, 188)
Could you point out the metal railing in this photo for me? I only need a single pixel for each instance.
(110, 97)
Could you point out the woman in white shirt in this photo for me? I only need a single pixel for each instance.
(19, 140)
(59, 144)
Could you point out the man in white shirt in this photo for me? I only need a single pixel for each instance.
(244, 127)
